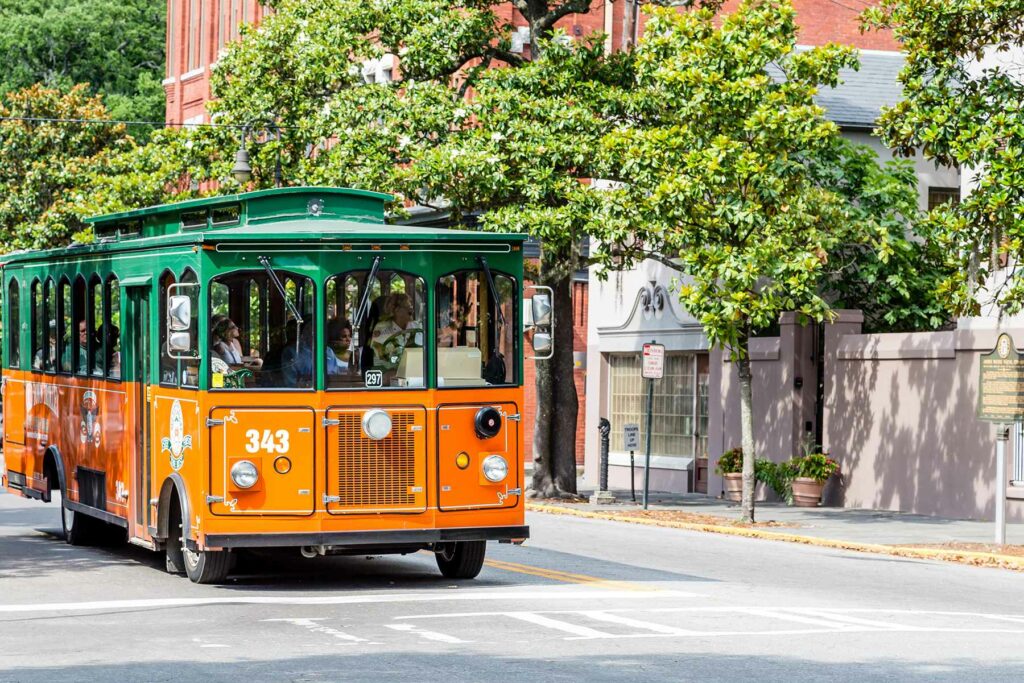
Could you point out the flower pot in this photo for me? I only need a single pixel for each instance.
(733, 482)
(807, 492)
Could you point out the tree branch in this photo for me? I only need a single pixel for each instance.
(543, 24)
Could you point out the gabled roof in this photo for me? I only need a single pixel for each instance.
(859, 98)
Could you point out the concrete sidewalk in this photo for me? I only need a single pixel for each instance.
(868, 530)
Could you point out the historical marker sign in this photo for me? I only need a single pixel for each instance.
(1001, 390)
(653, 362)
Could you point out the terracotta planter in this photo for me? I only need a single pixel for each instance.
(807, 492)
(733, 483)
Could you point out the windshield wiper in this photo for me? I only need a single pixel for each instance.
(490, 283)
(265, 262)
(364, 304)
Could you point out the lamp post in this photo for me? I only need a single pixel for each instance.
(242, 171)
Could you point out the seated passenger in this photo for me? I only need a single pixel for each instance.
(227, 346)
(394, 332)
(339, 346)
(297, 363)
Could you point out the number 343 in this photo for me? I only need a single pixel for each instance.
(267, 440)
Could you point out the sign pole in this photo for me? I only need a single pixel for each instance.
(1002, 436)
(632, 477)
(652, 367)
(650, 420)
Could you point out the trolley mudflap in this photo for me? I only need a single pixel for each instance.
(369, 538)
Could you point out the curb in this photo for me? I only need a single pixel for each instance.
(974, 558)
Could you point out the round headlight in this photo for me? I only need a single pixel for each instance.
(487, 422)
(244, 474)
(495, 468)
(376, 424)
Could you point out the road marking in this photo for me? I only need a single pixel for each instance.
(315, 627)
(539, 594)
(846, 618)
(799, 619)
(429, 635)
(566, 576)
(558, 625)
(637, 623)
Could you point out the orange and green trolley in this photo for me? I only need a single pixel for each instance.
(271, 369)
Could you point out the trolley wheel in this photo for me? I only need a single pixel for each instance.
(206, 566)
(174, 557)
(460, 559)
(78, 529)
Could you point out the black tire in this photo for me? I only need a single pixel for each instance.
(207, 566)
(78, 529)
(174, 558)
(461, 559)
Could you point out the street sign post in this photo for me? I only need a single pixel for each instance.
(1001, 400)
(631, 442)
(652, 368)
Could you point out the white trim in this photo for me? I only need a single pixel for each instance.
(659, 462)
(170, 80)
(194, 73)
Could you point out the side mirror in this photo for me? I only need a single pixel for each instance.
(542, 343)
(540, 306)
(179, 315)
(179, 341)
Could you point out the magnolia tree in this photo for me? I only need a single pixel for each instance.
(963, 91)
(729, 176)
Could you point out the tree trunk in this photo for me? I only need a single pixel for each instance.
(742, 351)
(554, 429)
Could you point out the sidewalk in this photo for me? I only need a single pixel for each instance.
(875, 531)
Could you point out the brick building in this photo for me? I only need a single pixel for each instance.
(197, 31)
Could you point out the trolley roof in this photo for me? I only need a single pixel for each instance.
(316, 217)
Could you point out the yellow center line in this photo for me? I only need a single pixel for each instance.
(567, 577)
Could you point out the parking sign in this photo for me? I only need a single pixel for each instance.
(653, 366)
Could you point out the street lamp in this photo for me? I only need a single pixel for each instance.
(242, 171)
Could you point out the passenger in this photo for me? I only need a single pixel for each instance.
(228, 348)
(395, 331)
(83, 349)
(448, 334)
(37, 361)
(339, 346)
(297, 363)
(114, 351)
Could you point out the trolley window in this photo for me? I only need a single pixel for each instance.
(476, 329)
(255, 339)
(374, 330)
(14, 325)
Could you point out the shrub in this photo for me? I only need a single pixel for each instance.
(816, 466)
(730, 462)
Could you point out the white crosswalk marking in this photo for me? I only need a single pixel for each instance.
(846, 618)
(796, 618)
(637, 623)
(428, 635)
(540, 620)
(315, 627)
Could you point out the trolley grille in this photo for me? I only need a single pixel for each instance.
(376, 473)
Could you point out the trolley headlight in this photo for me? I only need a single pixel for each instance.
(376, 424)
(495, 468)
(244, 474)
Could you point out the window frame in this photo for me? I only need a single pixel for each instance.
(13, 303)
(385, 290)
(517, 334)
(286, 275)
(108, 319)
(37, 322)
(49, 286)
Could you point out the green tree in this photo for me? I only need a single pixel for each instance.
(117, 46)
(517, 155)
(45, 166)
(963, 105)
(722, 163)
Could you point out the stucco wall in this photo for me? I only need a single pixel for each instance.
(900, 419)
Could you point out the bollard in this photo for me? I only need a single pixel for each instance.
(603, 495)
(605, 428)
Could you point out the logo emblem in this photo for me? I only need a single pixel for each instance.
(178, 442)
(1003, 346)
(90, 425)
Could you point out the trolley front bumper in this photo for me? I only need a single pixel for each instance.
(342, 539)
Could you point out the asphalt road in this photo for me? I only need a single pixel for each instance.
(583, 600)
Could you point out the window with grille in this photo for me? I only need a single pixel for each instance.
(675, 403)
(942, 195)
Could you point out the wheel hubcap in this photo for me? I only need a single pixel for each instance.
(191, 558)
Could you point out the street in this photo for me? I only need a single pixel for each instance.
(582, 600)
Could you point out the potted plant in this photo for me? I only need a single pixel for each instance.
(730, 467)
(809, 473)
